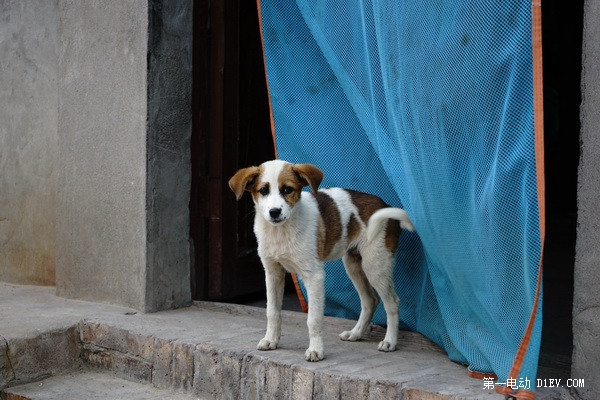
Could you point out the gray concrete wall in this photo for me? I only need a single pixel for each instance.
(125, 81)
(586, 304)
(95, 111)
(28, 140)
(169, 132)
(101, 201)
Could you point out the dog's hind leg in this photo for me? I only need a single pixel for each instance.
(378, 267)
(275, 282)
(368, 298)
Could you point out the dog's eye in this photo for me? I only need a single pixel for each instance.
(264, 190)
(286, 190)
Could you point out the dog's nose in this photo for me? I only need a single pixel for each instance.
(275, 212)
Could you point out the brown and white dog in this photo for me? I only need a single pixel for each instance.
(298, 231)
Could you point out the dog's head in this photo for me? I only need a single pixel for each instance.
(275, 187)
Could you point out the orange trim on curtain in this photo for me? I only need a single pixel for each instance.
(481, 375)
(262, 42)
(538, 120)
(301, 299)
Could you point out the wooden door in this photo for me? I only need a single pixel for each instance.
(231, 129)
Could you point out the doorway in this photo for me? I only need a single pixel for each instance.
(231, 130)
(562, 25)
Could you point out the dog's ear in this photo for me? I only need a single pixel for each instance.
(309, 175)
(243, 180)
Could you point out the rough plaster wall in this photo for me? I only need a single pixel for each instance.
(28, 140)
(586, 304)
(101, 200)
(168, 152)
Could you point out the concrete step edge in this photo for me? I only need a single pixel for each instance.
(89, 385)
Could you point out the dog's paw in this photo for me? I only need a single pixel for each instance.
(350, 336)
(386, 346)
(266, 344)
(313, 355)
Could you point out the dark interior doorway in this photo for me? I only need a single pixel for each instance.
(231, 129)
(562, 25)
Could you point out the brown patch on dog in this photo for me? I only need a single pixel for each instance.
(392, 235)
(288, 178)
(309, 175)
(245, 180)
(353, 228)
(329, 230)
(367, 204)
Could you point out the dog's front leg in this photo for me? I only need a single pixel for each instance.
(275, 282)
(315, 288)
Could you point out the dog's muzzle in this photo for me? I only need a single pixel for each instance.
(275, 214)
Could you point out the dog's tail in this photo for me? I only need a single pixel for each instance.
(381, 216)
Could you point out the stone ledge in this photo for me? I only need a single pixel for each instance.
(208, 350)
(34, 358)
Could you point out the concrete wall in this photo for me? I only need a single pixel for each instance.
(95, 104)
(101, 212)
(169, 130)
(28, 140)
(125, 126)
(586, 303)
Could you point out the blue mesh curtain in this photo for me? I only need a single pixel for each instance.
(430, 105)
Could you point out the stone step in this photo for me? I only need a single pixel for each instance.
(208, 351)
(89, 386)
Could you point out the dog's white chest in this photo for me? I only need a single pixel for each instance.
(291, 245)
(279, 248)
